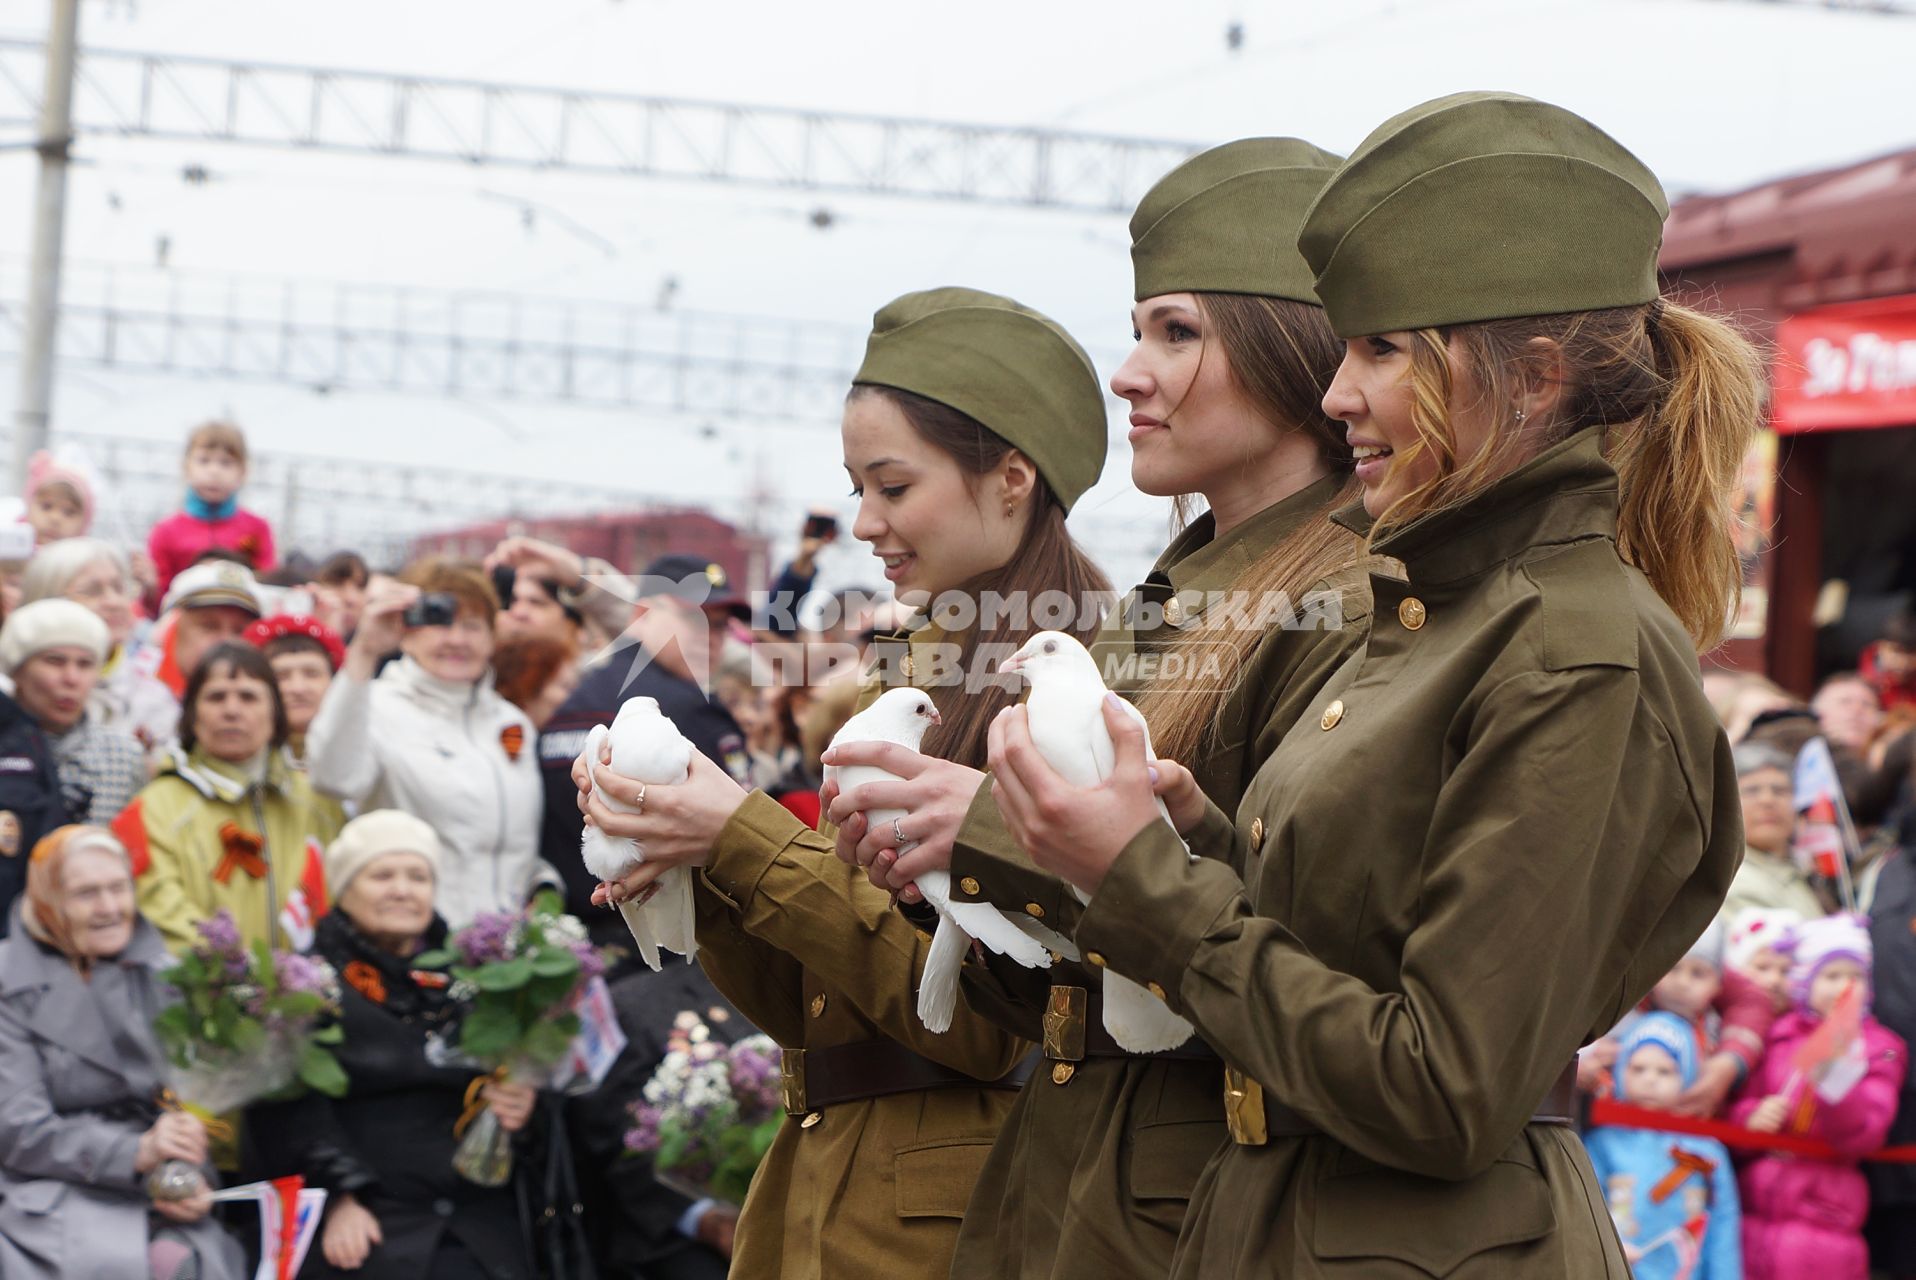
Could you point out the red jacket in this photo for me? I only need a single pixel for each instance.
(178, 539)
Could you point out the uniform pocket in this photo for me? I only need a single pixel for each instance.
(1166, 1159)
(935, 1179)
(1367, 1210)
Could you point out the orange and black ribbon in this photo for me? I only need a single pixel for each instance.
(475, 1101)
(1685, 1164)
(243, 850)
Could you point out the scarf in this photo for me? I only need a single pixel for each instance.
(44, 913)
(200, 509)
(395, 983)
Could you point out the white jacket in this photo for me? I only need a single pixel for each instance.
(444, 753)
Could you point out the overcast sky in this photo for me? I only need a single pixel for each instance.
(1714, 94)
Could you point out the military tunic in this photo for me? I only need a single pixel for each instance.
(1093, 1169)
(813, 954)
(1498, 824)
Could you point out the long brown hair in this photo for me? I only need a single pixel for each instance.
(1680, 396)
(1047, 560)
(1282, 355)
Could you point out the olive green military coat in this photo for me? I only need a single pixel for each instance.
(1493, 830)
(807, 949)
(1092, 1172)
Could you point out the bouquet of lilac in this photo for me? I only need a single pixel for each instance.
(250, 1023)
(710, 1112)
(520, 977)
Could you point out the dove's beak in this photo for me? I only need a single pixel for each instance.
(1016, 662)
(935, 717)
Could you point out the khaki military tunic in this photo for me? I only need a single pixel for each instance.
(1493, 830)
(1092, 1172)
(808, 950)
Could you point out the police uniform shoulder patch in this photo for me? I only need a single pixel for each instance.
(10, 833)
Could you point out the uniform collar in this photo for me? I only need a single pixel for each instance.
(1565, 494)
(1196, 559)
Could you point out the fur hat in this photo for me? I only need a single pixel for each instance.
(48, 624)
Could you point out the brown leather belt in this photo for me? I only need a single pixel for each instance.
(810, 1079)
(1254, 1119)
(1074, 1030)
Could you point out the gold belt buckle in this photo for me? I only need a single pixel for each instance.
(791, 1081)
(1064, 1024)
(1244, 1109)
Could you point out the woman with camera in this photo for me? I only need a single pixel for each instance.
(429, 736)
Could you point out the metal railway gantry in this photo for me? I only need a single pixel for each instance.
(136, 94)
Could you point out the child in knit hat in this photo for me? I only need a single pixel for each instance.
(59, 497)
(1673, 1195)
(1829, 1072)
(1758, 948)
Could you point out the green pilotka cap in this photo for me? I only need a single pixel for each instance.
(1225, 221)
(1016, 372)
(1483, 206)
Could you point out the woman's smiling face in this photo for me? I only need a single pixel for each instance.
(934, 527)
(1373, 397)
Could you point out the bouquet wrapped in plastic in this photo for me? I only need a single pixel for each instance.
(251, 1023)
(520, 977)
(710, 1112)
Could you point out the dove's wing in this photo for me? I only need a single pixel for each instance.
(1138, 1020)
(938, 984)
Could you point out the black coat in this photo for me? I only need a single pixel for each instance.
(389, 1141)
(30, 800)
(632, 1218)
(1892, 929)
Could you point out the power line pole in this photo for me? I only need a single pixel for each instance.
(34, 406)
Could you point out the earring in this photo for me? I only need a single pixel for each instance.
(1521, 415)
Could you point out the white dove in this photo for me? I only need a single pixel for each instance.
(1066, 714)
(902, 716)
(647, 747)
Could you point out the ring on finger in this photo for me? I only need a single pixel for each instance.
(638, 799)
(897, 834)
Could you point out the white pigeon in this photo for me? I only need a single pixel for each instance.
(646, 747)
(1066, 715)
(902, 716)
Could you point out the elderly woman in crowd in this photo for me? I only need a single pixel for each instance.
(1769, 877)
(229, 822)
(52, 650)
(94, 573)
(384, 1151)
(79, 1072)
(431, 737)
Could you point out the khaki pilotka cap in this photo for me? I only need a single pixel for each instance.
(1014, 371)
(1225, 221)
(1483, 206)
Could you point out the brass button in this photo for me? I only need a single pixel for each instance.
(1332, 714)
(1154, 989)
(1057, 957)
(1095, 959)
(1061, 1072)
(818, 1006)
(968, 885)
(908, 668)
(1412, 613)
(1257, 834)
(811, 1120)
(1173, 611)
(1035, 911)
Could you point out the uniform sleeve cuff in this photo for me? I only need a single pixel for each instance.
(748, 844)
(987, 865)
(1155, 908)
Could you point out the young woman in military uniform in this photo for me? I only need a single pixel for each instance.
(1511, 810)
(1095, 1165)
(973, 425)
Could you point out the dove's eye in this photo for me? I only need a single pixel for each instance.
(1051, 646)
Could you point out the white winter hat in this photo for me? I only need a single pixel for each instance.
(372, 836)
(1837, 937)
(1755, 929)
(49, 624)
(1709, 947)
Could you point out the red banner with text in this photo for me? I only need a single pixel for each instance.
(1847, 366)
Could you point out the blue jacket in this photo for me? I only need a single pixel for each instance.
(30, 800)
(1694, 1231)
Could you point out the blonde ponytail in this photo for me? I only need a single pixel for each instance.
(1679, 395)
